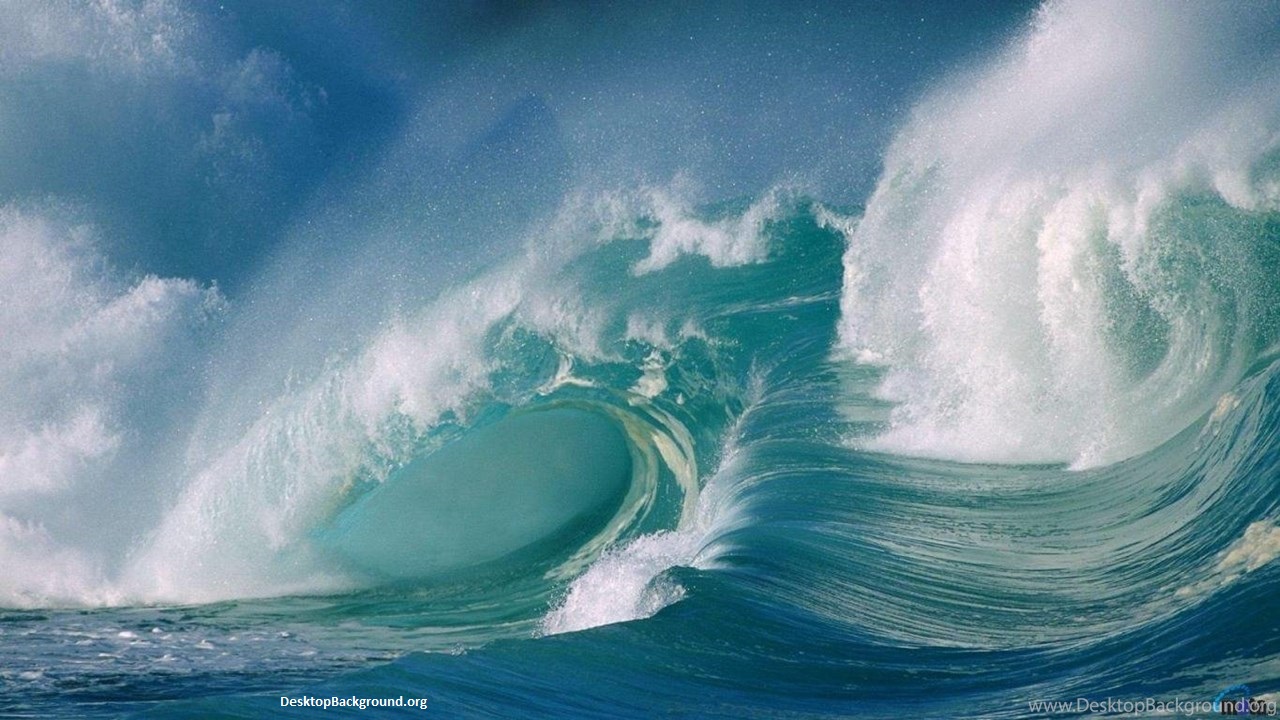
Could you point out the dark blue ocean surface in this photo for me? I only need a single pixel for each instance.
(605, 360)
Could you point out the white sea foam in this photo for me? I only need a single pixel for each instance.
(74, 341)
(629, 582)
(625, 583)
(664, 215)
(1259, 546)
(736, 240)
(1061, 261)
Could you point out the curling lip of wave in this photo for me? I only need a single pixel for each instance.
(241, 521)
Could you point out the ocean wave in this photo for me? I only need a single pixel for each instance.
(1068, 256)
(495, 383)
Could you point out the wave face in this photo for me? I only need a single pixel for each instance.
(389, 352)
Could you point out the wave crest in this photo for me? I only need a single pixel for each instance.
(1069, 254)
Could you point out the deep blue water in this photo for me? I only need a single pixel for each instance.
(599, 360)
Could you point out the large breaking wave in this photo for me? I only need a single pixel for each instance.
(1070, 256)
(314, 358)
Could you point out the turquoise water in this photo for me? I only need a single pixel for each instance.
(394, 352)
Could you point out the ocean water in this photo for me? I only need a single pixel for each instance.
(590, 360)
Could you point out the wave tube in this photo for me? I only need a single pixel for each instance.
(498, 492)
